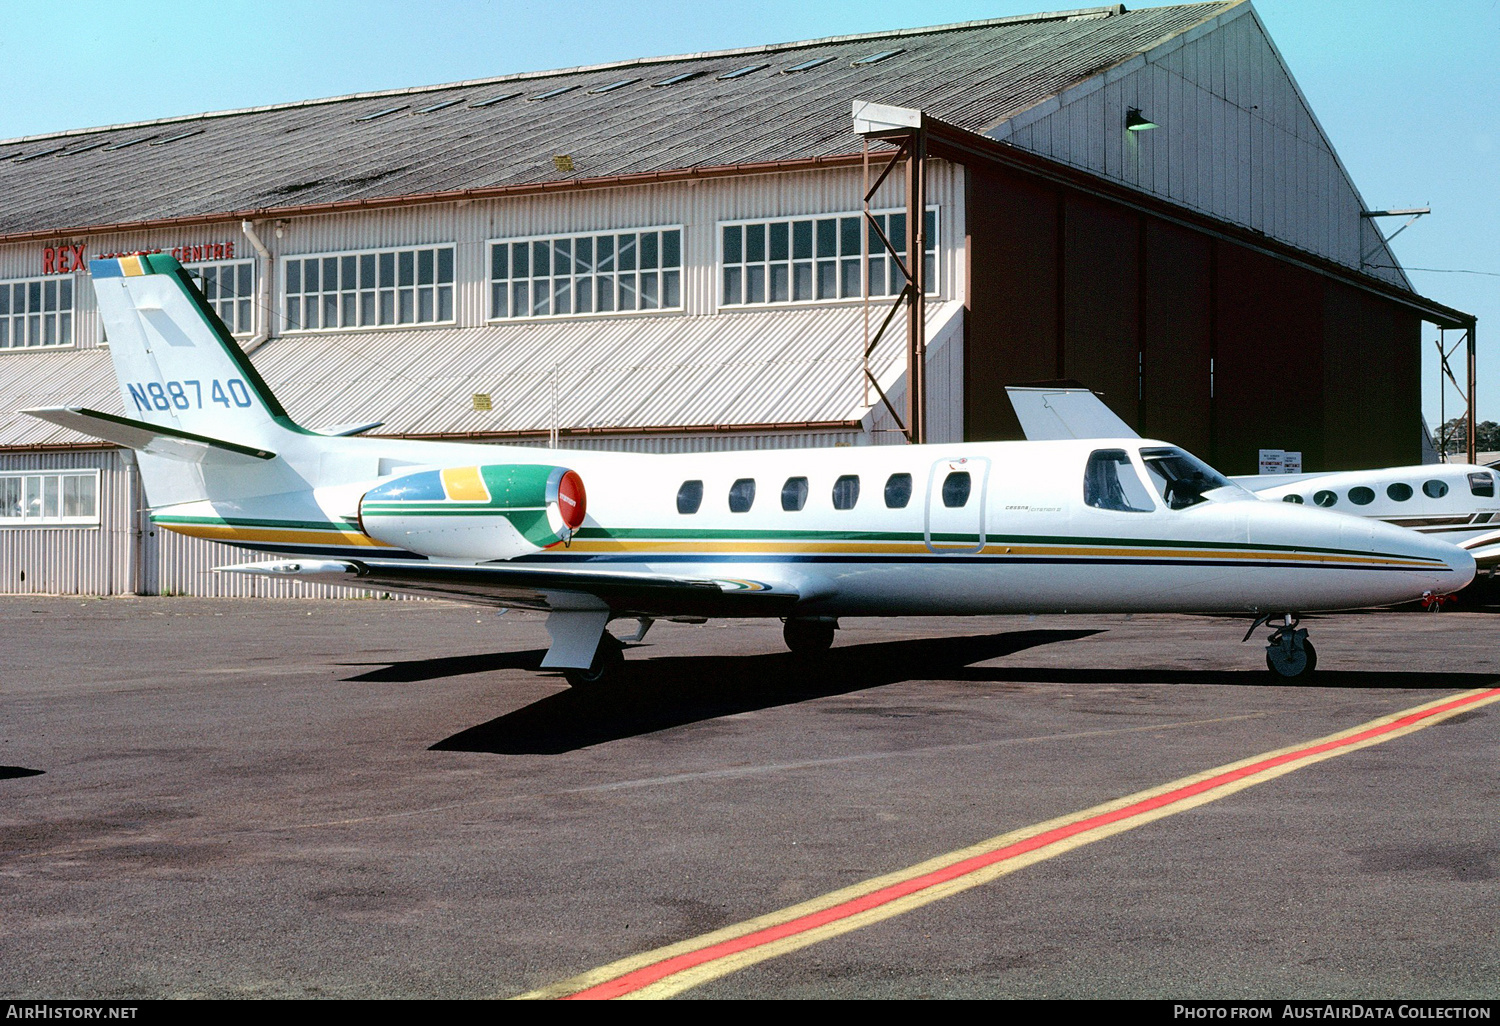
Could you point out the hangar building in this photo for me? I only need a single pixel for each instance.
(670, 253)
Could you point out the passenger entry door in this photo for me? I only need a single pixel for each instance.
(955, 504)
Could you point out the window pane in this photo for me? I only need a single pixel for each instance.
(802, 279)
(426, 305)
(70, 496)
(625, 255)
(755, 283)
(671, 289)
(500, 261)
(605, 293)
(780, 283)
(520, 260)
(1110, 482)
(828, 279)
(689, 496)
(445, 303)
(520, 299)
(87, 506)
(648, 291)
(606, 252)
(367, 271)
(444, 265)
(627, 292)
(648, 250)
(406, 267)
(562, 295)
(671, 248)
(387, 270)
(956, 489)
(424, 267)
(562, 256)
(846, 492)
(499, 299)
(898, 491)
(742, 495)
(408, 306)
(849, 278)
(779, 240)
(294, 275)
(755, 243)
(849, 236)
(828, 237)
(794, 494)
(802, 240)
(733, 253)
(583, 255)
(583, 295)
(347, 277)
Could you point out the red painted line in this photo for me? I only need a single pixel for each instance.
(647, 975)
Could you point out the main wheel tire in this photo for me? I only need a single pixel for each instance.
(808, 636)
(1298, 665)
(609, 658)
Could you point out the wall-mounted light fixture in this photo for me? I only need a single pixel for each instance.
(1135, 121)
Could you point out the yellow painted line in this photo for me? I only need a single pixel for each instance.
(464, 484)
(666, 971)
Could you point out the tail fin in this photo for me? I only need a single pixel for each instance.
(177, 364)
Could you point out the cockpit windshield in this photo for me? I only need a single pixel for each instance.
(1183, 480)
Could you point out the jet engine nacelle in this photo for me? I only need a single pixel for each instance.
(480, 513)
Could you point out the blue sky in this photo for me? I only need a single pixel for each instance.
(1409, 92)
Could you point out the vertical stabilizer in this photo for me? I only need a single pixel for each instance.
(177, 364)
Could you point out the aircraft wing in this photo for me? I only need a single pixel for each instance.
(546, 589)
(1064, 410)
(158, 440)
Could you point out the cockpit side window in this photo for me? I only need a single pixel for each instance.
(1482, 484)
(1110, 482)
(1182, 479)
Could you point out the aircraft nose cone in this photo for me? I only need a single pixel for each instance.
(1458, 566)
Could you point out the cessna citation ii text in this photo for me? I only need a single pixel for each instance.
(808, 536)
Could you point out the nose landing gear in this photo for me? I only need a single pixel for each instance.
(1289, 655)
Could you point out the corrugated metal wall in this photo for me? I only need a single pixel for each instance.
(92, 560)
(1236, 140)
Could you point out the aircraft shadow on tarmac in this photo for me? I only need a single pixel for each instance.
(7, 772)
(654, 694)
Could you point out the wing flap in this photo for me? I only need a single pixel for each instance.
(542, 589)
(169, 443)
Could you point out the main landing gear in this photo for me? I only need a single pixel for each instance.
(809, 635)
(1289, 655)
(608, 659)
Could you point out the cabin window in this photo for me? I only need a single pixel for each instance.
(846, 492)
(1398, 492)
(1182, 480)
(897, 491)
(1361, 496)
(1435, 489)
(690, 496)
(794, 494)
(1325, 498)
(1110, 482)
(956, 489)
(1483, 484)
(1292, 498)
(742, 495)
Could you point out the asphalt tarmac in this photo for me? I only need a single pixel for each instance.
(216, 798)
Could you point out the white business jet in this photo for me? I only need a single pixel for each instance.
(1096, 526)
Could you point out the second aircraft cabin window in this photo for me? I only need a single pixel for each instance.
(794, 494)
(1361, 496)
(1110, 482)
(742, 495)
(690, 496)
(956, 489)
(846, 492)
(897, 491)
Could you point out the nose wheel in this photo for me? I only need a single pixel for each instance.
(1289, 655)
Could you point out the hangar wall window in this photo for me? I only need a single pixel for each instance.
(37, 312)
(593, 273)
(229, 287)
(49, 499)
(373, 288)
(811, 259)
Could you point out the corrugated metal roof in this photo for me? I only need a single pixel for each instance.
(792, 367)
(974, 75)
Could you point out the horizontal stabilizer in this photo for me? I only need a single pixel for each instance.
(155, 439)
(525, 587)
(1053, 412)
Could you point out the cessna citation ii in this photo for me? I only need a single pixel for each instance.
(808, 536)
